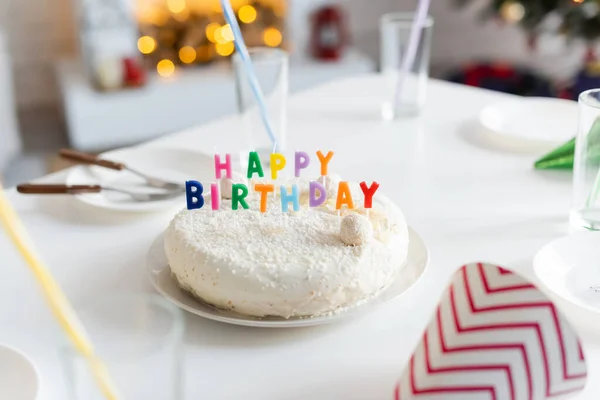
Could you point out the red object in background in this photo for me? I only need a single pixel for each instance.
(134, 75)
(329, 33)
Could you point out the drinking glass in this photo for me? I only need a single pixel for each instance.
(271, 67)
(395, 29)
(139, 340)
(586, 168)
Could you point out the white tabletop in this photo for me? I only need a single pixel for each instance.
(469, 201)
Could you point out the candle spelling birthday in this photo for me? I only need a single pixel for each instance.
(289, 194)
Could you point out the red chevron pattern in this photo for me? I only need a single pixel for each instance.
(494, 336)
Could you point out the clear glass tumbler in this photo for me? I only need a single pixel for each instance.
(272, 71)
(395, 30)
(586, 169)
(139, 340)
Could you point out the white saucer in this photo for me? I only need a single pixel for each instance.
(568, 267)
(160, 276)
(530, 124)
(19, 379)
(174, 165)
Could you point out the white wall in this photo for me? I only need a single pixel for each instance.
(41, 30)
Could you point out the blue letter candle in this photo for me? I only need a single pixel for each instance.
(313, 188)
(293, 198)
(193, 194)
(302, 161)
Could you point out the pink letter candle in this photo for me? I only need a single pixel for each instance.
(193, 195)
(313, 188)
(215, 196)
(293, 198)
(302, 161)
(220, 166)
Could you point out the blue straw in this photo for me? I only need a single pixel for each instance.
(242, 50)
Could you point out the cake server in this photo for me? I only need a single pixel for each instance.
(29, 188)
(92, 159)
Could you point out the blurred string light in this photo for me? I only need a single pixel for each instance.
(165, 68)
(187, 54)
(210, 31)
(176, 6)
(272, 37)
(512, 12)
(224, 34)
(247, 14)
(224, 49)
(146, 44)
(578, 1)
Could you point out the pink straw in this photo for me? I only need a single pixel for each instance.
(413, 44)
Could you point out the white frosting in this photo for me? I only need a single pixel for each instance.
(284, 264)
(356, 230)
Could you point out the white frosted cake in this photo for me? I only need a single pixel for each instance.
(287, 264)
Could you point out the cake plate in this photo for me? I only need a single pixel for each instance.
(160, 276)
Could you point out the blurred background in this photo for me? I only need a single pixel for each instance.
(101, 74)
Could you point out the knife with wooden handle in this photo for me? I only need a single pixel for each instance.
(91, 159)
(29, 188)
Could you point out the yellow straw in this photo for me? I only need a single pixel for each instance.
(56, 299)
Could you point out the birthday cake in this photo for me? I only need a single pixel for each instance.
(262, 259)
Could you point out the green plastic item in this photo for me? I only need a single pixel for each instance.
(563, 156)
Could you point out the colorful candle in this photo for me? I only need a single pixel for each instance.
(369, 192)
(254, 165)
(315, 188)
(344, 196)
(215, 196)
(264, 189)
(287, 198)
(277, 164)
(239, 191)
(220, 166)
(324, 160)
(302, 160)
(193, 195)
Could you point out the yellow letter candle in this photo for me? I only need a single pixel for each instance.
(277, 164)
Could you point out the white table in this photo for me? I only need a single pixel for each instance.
(469, 202)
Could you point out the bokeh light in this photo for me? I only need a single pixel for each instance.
(247, 14)
(176, 6)
(187, 54)
(210, 31)
(224, 49)
(165, 68)
(272, 37)
(146, 44)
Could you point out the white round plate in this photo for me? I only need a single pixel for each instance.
(173, 165)
(161, 278)
(568, 268)
(19, 378)
(530, 124)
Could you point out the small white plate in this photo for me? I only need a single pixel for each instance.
(174, 165)
(160, 276)
(19, 379)
(568, 267)
(530, 124)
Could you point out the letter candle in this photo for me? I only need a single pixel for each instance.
(239, 191)
(264, 190)
(302, 160)
(215, 196)
(293, 198)
(254, 165)
(193, 194)
(324, 160)
(313, 200)
(344, 196)
(278, 163)
(220, 166)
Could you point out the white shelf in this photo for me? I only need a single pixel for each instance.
(194, 96)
